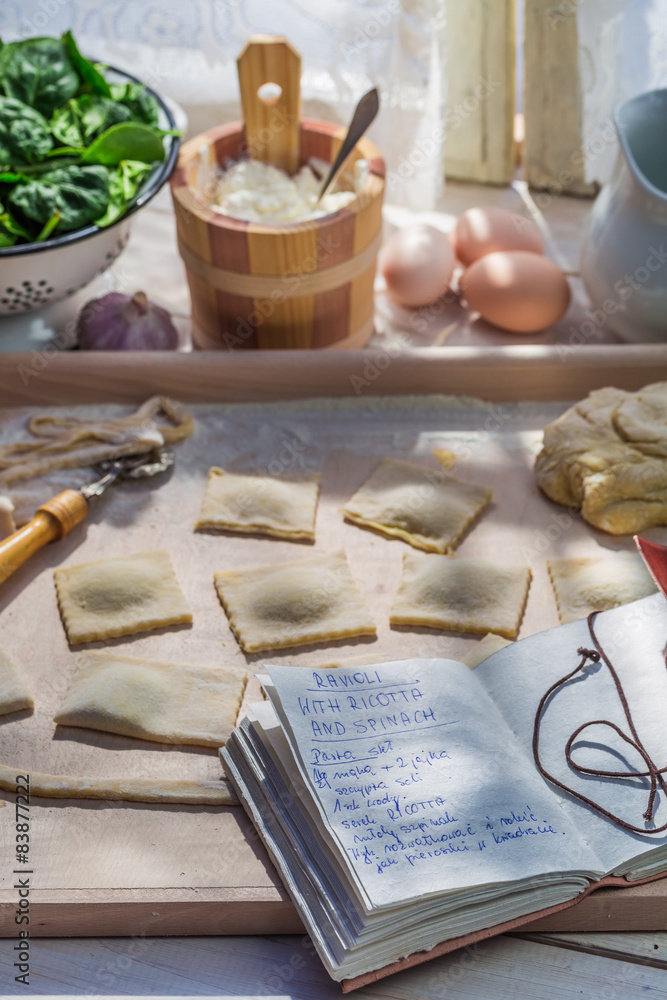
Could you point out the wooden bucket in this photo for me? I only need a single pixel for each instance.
(290, 285)
(287, 285)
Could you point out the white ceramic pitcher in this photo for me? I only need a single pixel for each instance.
(624, 249)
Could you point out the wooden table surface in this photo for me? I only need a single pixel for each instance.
(255, 968)
(553, 966)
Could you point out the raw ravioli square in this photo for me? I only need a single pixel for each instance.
(110, 597)
(293, 603)
(598, 583)
(152, 700)
(267, 505)
(461, 595)
(486, 647)
(14, 692)
(427, 508)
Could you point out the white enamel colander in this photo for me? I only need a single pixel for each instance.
(34, 275)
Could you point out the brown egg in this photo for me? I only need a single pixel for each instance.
(480, 231)
(516, 290)
(417, 263)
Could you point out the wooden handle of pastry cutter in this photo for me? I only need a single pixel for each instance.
(271, 126)
(52, 521)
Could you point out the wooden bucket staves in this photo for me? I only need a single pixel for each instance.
(286, 285)
(289, 285)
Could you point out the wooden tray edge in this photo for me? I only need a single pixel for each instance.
(112, 916)
(109, 913)
(530, 372)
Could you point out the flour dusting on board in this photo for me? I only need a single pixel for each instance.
(344, 441)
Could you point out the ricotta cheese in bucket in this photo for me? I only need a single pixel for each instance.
(260, 192)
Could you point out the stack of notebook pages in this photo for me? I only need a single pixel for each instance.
(404, 807)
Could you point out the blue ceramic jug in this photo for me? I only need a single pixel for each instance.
(624, 249)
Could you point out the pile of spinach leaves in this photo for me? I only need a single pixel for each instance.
(74, 149)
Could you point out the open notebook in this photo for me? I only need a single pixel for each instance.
(403, 806)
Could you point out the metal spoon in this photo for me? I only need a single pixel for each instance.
(364, 114)
(56, 518)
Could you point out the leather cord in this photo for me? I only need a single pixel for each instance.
(654, 773)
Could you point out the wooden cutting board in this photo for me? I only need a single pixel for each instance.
(102, 868)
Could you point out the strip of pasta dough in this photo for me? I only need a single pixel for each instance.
(15, 694)
(65, 786)
(70, 442)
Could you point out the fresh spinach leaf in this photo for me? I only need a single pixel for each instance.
(48, 228)
(73, 152)
(88, 72)
(69, 157)
(65, 124)
(6, 51)
(79, 121)
(10, 230)
(13, 226)
(127, 141)
(79, 193)
(38, 71)
(11, 177)
(97, 114)
(24, 133)
(124, 182)
(142, 105)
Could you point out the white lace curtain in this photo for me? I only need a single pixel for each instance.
(187, 50)
(622, 52)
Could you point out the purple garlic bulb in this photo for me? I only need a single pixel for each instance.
(118, 322)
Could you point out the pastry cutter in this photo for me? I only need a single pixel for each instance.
(56, 518)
